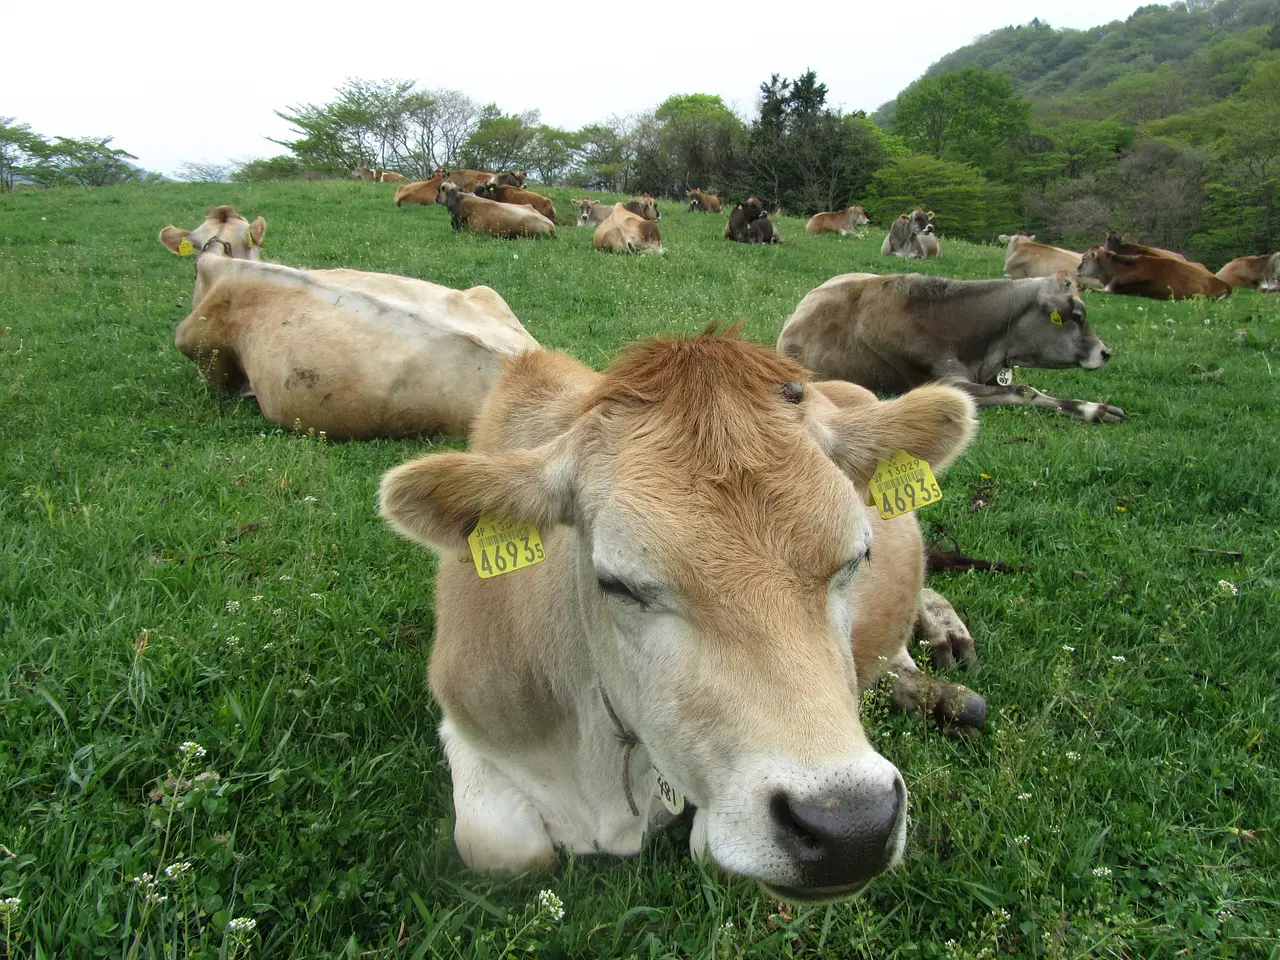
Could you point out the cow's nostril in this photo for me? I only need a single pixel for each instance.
(840, 838)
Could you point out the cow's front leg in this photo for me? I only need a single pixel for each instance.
(496, 829)
(940, 628)
(956, 708)
(994, 395)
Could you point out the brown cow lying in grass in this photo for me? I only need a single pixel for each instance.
(841, 221)
(224, 228)
(740, 219)
(1160, 278)
(349, 353)
(644, 206)
(505, 194)
(703, 202)
(703, 619)
(1129, 248)
(466, 180)
(1026, 258)
(421, 191)
(512, 178)
(905, 237)
(1257, 273)
(508, 220)
(592, 211)
(626, 232)
(896, 332)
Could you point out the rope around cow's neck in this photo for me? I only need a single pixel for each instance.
(628, 741)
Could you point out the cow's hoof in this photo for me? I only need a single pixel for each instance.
(957, 645)
(1108, 414)
(961, 712)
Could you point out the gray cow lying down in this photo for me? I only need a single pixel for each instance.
(892, 333)
(351, 353)
(703, 618)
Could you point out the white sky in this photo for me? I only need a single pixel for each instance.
(182, 80)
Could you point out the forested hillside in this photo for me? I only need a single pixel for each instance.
(1166, 124)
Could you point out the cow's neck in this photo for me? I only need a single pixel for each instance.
(983, 341)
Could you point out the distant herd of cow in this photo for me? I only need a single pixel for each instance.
(680, 616)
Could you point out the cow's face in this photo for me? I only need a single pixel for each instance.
(447, 195)
(719, 524)
(753, 208)
(1054, 333)
(585, 206)
(224, 233)
(1092, 266)
(860, 218)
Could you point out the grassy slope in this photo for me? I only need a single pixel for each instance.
(133, 499)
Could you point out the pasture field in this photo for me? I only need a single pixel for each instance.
(176, 569)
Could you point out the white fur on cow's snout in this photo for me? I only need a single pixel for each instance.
(1098, 356)
(738, 833)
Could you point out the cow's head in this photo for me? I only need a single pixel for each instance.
(753, 207)
(920, 220)
(1053, 332)
(718, 502)
(860, 218)
(224, 233)
(486, 190)
(362, 173)
(448, 194)
(585, 206)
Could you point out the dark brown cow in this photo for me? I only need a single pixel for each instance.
(763, 230)
(512, 178)
(506, 194)
(892, 333)
(1257, 273)
(423, 191)
(468, 180)
(704, 202)
(1131, 249)
(741, 217)
(1160, 278)
(488, 216)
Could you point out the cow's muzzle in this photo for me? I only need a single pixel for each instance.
(839, 841)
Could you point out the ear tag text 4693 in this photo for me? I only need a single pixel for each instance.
(671, 798)
(903, 483)
(185, 249)
(498, 547)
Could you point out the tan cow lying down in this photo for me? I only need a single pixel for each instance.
(489, 216)
(592, 211)
(841, 221)
(896, 332)
(644, 206)
(421, 191)
(379, 175)
(701, 511)
(704, 202)
(232, 234)
(905, 237)
(354, 354)
(1257, 273)
(625, 232)
(1160, 278)
(1026, 258)
(1130, 249)
(507, 194)
(467, 180)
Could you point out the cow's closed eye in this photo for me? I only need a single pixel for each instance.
(621, 591)
(850, 567)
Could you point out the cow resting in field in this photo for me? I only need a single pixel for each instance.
(644, 206)
(763, 230)
(1257, 273)
(422, 191)
(506, 194)
(841, 221)
(704, 202)
(896, 332)
(904, 237)
(1025, 258)
(466, 180)
(1129, 248)
(488, 216)
(1160, 278)
(592, 211)
(349, 353)
(740, 219)
(703, 619)
(512, 178)
(625, 232)
(223, 228)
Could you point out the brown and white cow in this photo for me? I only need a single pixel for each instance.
(704, 202)
(903, 239)
(841, 221)
(508, 220)
(1025, 258)
(1129, 248)
(1160, 278)
(1257, 273)
(361, 172)
(390, 176)
(737, 227)
(626, 232)
(467, 180)
(421, 191)
(896, 332)
(224, 230)
(350, 353)
(701, 511)
(592, 211)
(506, 194)
(644, 206)
(512, 178)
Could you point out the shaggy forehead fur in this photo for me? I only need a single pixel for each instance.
(223, 214)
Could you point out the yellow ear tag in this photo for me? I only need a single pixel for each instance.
(499, 547)
(1056, 317)
(903, 483)
(251, 241)
(185, 249)
(671, 798)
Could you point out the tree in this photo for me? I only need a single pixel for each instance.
(692, 140)
(967, 204)
(552, 155)
(967, 116)
(195, 172)
(90, 162)
(16, 145)
(501, 141)
(281, 167)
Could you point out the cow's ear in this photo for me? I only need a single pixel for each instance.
(904, 218)
(438, 499)
(257, 230)
(173, 237)
(933, 422)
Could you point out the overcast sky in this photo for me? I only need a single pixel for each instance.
(183, 81)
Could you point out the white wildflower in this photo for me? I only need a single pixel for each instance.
(1022, 840)
(1024, 796)
(177, 869)
(1102, 871)
(316, 596)
(1229, 588)
(1118, 658)
(233, 606)
(1224, 915)
(1002, 915)
(258, 598)
(309, 500)
(1072, 756)
(549, 903)
(285, 578)
(1067, 647)
(242, 926)
(728, 926)
(190, 750)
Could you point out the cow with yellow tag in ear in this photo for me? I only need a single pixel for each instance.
(224, 229)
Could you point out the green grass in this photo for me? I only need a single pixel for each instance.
(174, 568)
